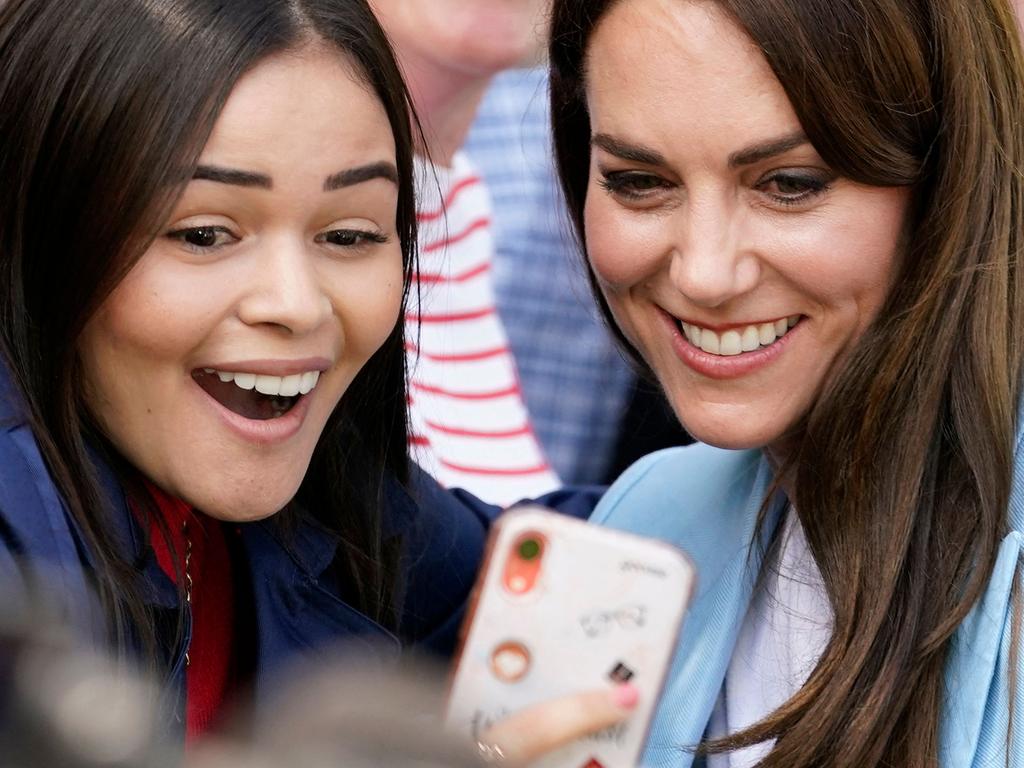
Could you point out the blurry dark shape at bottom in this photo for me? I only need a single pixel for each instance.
(64, 706)
(350, 710)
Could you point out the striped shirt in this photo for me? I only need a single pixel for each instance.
(469, 424)
(575, 382)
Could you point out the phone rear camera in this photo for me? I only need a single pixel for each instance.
(529, 549)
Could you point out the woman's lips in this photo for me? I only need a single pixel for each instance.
(733, 365)
(254, 417)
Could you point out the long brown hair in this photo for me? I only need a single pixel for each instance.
(902, 468)
(106, 108)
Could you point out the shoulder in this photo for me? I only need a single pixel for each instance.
(442, 531)
(36, 529)
(28, 496)
(24, 479)
(41, 552)
(25, 490)
(672, 490)
(442, 536)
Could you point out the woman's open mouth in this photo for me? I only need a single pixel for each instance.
(256, 396)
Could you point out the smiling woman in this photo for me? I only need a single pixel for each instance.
(205, 252)
(725, 253)
(282, 269)
(805, 218)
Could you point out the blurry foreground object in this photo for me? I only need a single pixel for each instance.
(64, 706)
(61, 705)
(347, 711)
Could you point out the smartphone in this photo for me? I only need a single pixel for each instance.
(561, 607)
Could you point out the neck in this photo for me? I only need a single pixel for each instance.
(446, 101)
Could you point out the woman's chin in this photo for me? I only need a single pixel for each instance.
(246, 503)
(247, 514)
(730, 443)
(737, 425)
(733, 435)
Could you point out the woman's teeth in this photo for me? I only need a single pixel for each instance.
(738, 340)
(283, 386)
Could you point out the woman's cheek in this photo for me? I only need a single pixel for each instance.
(624, 247)
(368, 297)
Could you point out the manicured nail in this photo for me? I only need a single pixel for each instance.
(626, 696)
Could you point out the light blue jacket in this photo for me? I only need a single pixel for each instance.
(706, 501)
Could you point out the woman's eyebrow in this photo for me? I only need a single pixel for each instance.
(748, 156)
(232, 176)
(380, 170)
(626, 151)
(346, 178)
(767, 149)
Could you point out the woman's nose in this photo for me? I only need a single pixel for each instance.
(286, 289)
(710, 264)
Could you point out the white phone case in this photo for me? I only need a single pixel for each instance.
(601, 606)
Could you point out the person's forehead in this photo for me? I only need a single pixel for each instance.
(294, 114)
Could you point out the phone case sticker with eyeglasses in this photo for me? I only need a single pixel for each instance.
(561, 607)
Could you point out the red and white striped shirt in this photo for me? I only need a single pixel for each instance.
(469, 424)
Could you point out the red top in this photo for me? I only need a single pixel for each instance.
(208, 674)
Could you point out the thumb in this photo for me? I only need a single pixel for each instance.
(545, 727)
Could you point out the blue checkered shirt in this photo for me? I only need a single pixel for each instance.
(575, 382)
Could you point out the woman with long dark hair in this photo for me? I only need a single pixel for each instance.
(207, 237)
(806, 219)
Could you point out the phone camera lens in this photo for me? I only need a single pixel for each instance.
(529, 549)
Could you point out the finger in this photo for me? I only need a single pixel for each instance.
(543, 728)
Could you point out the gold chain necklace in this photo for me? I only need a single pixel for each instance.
(188, 582)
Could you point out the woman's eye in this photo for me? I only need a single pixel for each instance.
(203, 238)
(794, 188)
(351, 238)
(632, 185)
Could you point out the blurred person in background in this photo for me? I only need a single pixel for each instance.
(205, 260)
(470, 426)
(591, 412)
(516, 385)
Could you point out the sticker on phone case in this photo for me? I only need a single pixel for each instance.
(626, 617)
(510, 662)
(621, 673)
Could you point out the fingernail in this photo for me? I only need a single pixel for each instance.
(626, 696)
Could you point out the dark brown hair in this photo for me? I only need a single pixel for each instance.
(902, 468)
(106, 107)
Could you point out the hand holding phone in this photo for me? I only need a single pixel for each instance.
(563, 607)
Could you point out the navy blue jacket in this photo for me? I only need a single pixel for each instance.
(297, 612)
